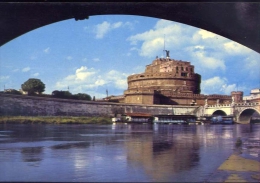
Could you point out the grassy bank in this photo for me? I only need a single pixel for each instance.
(55, 120)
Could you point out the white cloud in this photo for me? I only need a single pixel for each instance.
(227, 89)
(129, 25)
(84, 59)
(85, 79)
(133, 49)
(217, 85)
(86, 28)
(83, 73)
(69, 57)
(206, 34)
(252, 66)
(96, 59)
(208, 62)
(26, 69)
(82, 76)
(199, 47)
(118, 78)
(139, 69)
(100, 81)
(234, 48)
(102, 29)
(33, 57)
(4, 78)
(36, 74)
(166, 34)
(116, 25)
(47, 50)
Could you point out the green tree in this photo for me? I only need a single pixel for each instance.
(33, 86)
(82, 96)
(62, 94)
(15, 92)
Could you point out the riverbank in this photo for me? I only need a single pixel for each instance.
(241, 166)
(55, 120)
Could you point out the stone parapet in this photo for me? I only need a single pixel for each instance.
(219, 96)
(145, 76)
(129, 92)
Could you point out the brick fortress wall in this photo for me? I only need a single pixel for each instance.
(171, 82)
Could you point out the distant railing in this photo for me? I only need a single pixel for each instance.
(219, 105)
(230, 105)
(247, 104)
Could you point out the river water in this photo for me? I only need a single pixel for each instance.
(119, 152)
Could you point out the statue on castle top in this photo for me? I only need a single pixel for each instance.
(167, 53)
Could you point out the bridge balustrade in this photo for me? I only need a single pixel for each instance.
(247, 104)
(222, 105)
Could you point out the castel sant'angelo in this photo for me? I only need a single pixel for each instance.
(170, 82)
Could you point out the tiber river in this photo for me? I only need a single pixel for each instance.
(119, 153)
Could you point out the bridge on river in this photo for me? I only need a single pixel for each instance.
(241, 112)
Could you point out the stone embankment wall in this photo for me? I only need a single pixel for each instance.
(42, 106)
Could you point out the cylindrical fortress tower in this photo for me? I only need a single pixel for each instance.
(166, 74)
(163, 77)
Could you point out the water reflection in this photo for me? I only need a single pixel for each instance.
(120, 152)
(33, 155)
(71, 145)
(161, 155)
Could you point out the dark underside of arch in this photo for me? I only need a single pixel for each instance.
(219, 113)
(237, 21)
(246, 115)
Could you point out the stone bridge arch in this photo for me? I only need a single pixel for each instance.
(245, 115)
(219, 113)
(238, 21)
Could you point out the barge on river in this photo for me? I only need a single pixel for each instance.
(148, 118)
(175, 119)
(222, 120)
(135, 118)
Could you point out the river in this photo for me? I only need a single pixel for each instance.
(119, 152)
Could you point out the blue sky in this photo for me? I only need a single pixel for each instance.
(92, 55)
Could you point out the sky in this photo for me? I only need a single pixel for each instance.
(99, 53)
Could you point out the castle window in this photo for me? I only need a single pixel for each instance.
(182, 68)
(191, 70)
(183, 74)
(186, 68)
(177, 68)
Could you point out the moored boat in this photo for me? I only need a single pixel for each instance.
(222, 120)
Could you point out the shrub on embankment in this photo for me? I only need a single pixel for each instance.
(54, 120)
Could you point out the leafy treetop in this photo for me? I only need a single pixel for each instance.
(33, 86)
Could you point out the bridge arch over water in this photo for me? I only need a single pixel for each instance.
(219, 113)
(244, 116)
(238, 21)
